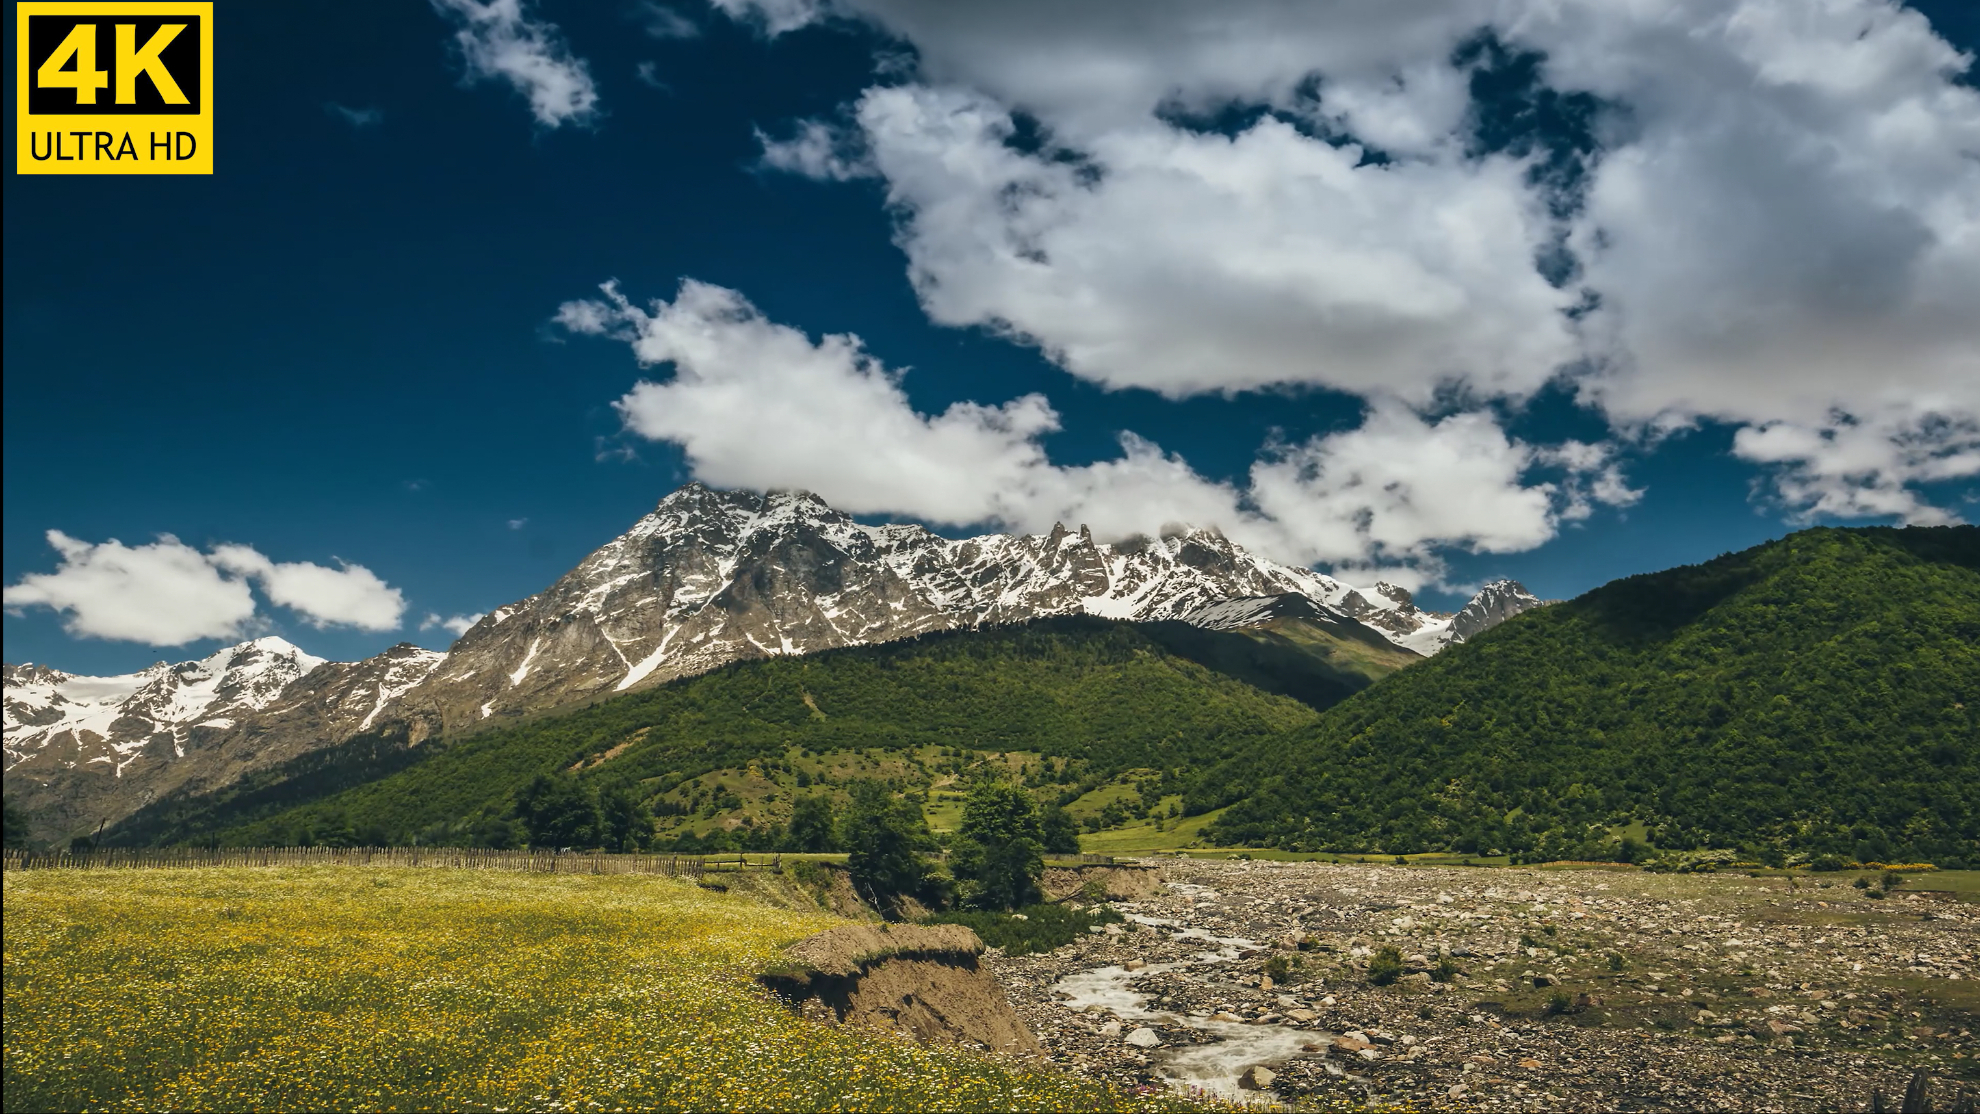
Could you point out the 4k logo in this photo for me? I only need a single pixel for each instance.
(115, 88)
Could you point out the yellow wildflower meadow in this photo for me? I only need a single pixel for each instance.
(338, 988)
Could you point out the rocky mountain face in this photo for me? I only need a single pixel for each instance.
(1494, 604)
(81, 751)
(709, 577)
(712, 577)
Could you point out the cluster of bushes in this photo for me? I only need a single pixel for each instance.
(1034, 928)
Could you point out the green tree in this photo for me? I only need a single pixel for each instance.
(558, 813)
(626, 822)
(16, 827)
(1060, 831)
(887, 836)
(812, 825)
(1000, 847)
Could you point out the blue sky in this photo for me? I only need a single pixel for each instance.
(342, 349)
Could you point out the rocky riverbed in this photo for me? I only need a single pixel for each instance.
(1520, 989)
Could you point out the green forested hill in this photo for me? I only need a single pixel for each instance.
(1109, 696)
(1818, 694)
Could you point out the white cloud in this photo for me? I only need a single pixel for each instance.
(663, 22)
(818, 150)
(499, 40)
(518, 523)
(456, 625)
(1852, 467)
(773, 17)
(359, 118)
(164, 594)
(753, 403)
(1780, 229)
(168, 593)
(346, 596)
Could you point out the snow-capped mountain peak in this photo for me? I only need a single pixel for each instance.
(111, 718)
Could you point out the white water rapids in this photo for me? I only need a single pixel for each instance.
(1215, 1066)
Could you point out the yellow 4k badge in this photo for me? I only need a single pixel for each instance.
(115, 88)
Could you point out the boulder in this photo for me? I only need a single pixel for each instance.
(1257, 1078)
(1143, 1037)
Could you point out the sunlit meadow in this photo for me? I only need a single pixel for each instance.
(337, 988)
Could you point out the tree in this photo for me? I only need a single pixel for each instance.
(558, 813)
(887, 836)
(1060, 831)
(16, 827)
(999, 852)
(812, 828)
(626, 822)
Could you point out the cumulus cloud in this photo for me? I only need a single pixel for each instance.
(168, 593)
(754, 403)
(500, 41)
(1762, 212)
(165, 593)
(456, 625)
(346, 596)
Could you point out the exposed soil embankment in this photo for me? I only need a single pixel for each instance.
(922, 981)
(1114, 883)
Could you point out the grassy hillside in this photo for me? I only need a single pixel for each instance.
(1816, 694)
(1072, 704)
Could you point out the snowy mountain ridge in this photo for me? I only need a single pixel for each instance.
(129, 712)
(707, 578)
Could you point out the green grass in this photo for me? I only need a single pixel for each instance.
(1964, 884)
(1141, 837)
(341, 988)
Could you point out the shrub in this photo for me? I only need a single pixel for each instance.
(1558, 1003)
(1035, 928)
(1616, 961)
(1285, 969)
(1828, 862)
(1447, 969)
(1385, 966)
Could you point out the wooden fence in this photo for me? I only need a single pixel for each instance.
(459, 858)
(582, 862)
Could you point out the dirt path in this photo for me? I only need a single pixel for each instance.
(1572, 989)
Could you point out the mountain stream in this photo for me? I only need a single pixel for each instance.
(1215, 1066)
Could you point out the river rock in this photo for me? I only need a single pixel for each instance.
(1143, 1037)
(1257, 1078)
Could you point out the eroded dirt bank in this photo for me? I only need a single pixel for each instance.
(1729, 993)
(924, 982)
